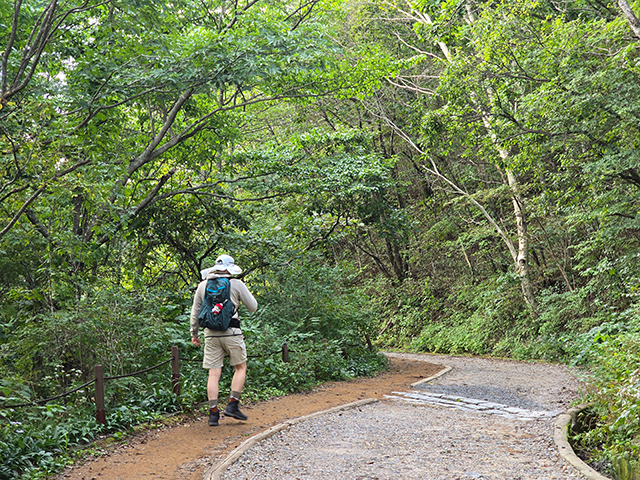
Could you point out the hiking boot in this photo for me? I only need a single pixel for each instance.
(214, 417)
(232, 410)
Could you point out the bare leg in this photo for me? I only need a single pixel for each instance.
(239, 377)
(212, 383)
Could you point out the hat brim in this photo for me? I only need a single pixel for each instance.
(232, 269)
(206, 272)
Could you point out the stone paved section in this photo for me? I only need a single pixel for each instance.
(474, 405)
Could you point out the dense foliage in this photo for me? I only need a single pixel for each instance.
(454, 177)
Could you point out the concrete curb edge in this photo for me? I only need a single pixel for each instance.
(560, 432)
(446, 369)
(217, 472)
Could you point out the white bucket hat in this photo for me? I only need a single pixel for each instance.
(223, 262)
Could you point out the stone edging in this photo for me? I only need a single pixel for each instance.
(446, 369)
(217, 472)
(560, 432)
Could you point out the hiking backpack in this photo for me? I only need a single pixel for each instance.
(217, 294)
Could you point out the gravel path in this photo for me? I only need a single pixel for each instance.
(408, 437)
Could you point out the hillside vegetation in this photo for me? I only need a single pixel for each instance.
(452, 177)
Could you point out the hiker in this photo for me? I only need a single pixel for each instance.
(218, 343)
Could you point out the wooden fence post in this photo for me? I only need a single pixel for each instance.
(101, 415)
(285, 353)
(175, 369)
(369, 344)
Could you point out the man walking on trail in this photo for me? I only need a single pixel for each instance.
(219, 343)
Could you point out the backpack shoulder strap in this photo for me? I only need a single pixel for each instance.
(228, 282)
(206, 288)
(227, 285)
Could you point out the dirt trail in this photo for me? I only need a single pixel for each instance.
(186, 449)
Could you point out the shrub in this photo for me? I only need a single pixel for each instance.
(310, 306)
(614, 396)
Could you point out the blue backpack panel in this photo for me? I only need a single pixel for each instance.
(217, 293)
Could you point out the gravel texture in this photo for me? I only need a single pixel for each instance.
(519, 384)
(400, 439)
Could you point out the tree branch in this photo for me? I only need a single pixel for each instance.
(146, 201)
(38, 192)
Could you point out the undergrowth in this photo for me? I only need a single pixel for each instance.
(55, 353)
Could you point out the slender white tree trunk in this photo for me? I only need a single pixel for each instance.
(522, 258)
(520, 254)
(627, 11)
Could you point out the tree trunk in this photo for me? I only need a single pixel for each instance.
(521, 254)
(522, 259)
(630, 16)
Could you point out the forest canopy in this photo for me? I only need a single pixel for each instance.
(459, 177)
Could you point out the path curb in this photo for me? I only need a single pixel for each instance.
(446, 369)
(560, 432)
(217, 472)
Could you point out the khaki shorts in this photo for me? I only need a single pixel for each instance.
(218, 344)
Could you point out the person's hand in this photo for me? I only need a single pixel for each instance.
(196, 341)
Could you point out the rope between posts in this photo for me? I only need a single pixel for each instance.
(138, 372)
(51, 398)
(115, 377)
(64, 394)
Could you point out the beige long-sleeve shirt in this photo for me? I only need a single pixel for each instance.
(239, 293)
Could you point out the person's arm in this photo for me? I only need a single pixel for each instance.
(245, 296)
(195, 311)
